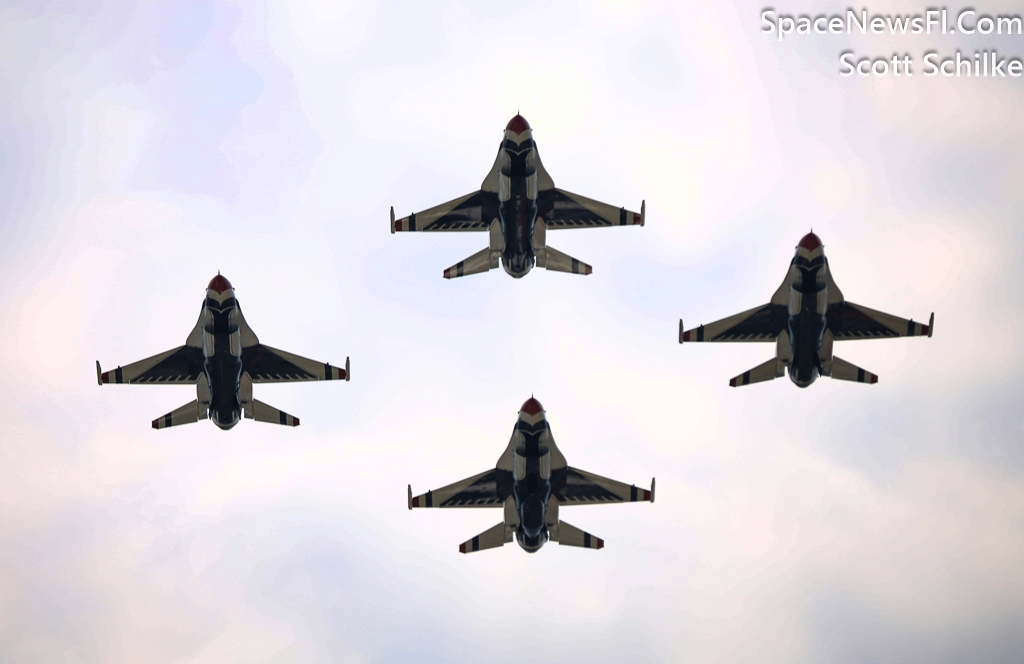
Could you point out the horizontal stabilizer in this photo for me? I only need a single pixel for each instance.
(770, 370)
(489, 539)
(264, 413)
(556, 260)
(843, 370)
(187, 414)
(570, 535)
(479, 262)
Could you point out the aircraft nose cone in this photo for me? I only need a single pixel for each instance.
(518, 124)
(219, 284)
(810, 242)
(531, 407)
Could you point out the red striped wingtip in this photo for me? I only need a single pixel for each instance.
(600, 543)
(636, 218)
(398, 224)
(296, 421)
(874, 379)
(156, 424)
(462, 548)
(106, 377)
(448, 273)
(686, 336)
(924, 330)
(587, 269)
(416, 501)
(732, 382)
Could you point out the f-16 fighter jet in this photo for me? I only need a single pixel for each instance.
(805, 316)
(530, 482)
(516, 205)
(223, 358)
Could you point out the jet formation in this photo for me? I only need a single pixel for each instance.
(223, 359)
(529, 483)
(805, 316)
(517, 205)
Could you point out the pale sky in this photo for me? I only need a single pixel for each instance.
(144, 147)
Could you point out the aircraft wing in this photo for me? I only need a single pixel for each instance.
(563, 209)
(488, 489)
(178, 366)
(846, 320)
(270, 365)
(579, 487)
(763, 323)
(472, 212)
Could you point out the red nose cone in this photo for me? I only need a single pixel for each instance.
(810, 242)
(532, 406)
(219, 284)
(518, 124)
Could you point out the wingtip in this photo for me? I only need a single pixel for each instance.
(448, 273)
(732, 382)
(600, 543)
(652, 489)
(931, 325)
(408, 500)
(588, 270)
(296, 421)
(462, 548)
(156, 424)
(874, 379)
(643, 212)
(99, 374)
(392, 219)
(348, 371)
(680, 330)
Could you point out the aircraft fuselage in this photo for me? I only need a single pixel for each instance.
(531, 485)
(222, 360)
(517, 204)
(807, 308)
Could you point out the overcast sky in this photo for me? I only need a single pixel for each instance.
(145, 147)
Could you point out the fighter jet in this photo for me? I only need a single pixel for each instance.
(805, 316)
(530, 482)
(516, 205)
(223, 358)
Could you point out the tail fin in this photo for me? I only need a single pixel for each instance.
(261, 412)
(491, 538)
(481, 261)
(770, 370)
(554, 259)
(843, 370)
(570, 535)
(187, 414)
